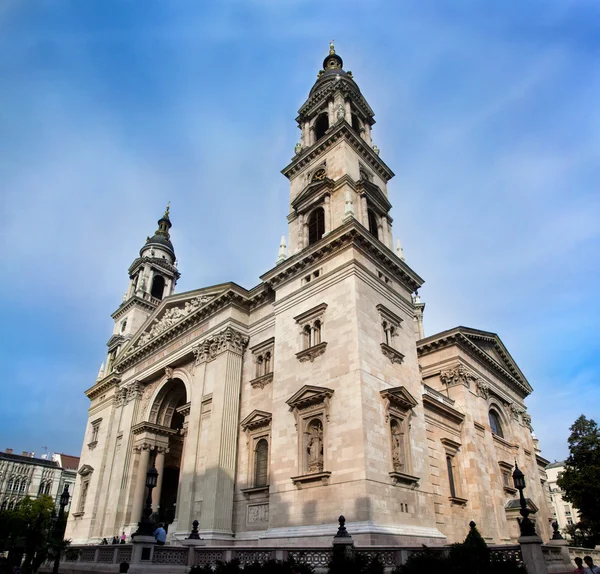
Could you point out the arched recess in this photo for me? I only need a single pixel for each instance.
(180, 374)
(316, 225)
(496, 411)
(158, 287)
(321, 125)
(165, 411)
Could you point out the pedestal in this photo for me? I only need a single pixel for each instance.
(142, 549)
(564, 550)
(533, 557)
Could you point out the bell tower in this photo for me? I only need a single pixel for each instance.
(152, 277)
(336, 173)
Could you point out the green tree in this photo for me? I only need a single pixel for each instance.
(580, 480)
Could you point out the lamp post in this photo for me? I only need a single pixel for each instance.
(145, 526)
(59, 527)
(527, 527)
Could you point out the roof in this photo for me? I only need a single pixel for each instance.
(556, 464)
(19, 458)
(68, 461)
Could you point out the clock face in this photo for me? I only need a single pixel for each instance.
(319, 175)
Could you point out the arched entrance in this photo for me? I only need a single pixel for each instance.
(165, 412)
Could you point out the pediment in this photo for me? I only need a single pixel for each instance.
(256, 419)
(374, 192)
(399, 398)
(492, 346)
(311, 190)
(309, 395)
(85, 470)
(172, 311)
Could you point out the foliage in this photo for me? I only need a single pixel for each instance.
(580, 481)
(472, 555)
(581, 534)
(343, 562)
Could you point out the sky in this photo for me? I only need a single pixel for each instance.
(486, 111)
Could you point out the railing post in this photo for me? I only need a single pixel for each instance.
(96, 554)
(533, 557)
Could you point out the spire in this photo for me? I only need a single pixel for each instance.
(331, 48)
(164, 223)
(399, 250)
(101, 372)
(161, 237)
(282, 251)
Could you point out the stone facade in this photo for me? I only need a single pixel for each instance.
(24, 475)
(271, 411)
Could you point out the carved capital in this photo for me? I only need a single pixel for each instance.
(516, 412)
(457, 376)
(133, 391)
(262, 382)
(483, 389)
(391, 353)
(169, 373)
(311, 353)
(227, 340)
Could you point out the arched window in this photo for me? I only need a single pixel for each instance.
(316, 225)
(267, 362)
(316, 333)
(373, 223)
(355, 123)
(23, 485)
(307, 337)
(9, 486)
(495, 424)
(41, 488)
(451, 476)
(4, 505)
(261, 463)
(321, 126)
(11, 505)
(158, 287)
(48, 487)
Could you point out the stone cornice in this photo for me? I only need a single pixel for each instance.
(153, 429)
(158, 261)
(392, 354)
(457, 337)
(346, 87)
(375, 194)
(102, 386)
(353, 233)
(133, 302)
(443, 409)
(342, 130)
(313, 189)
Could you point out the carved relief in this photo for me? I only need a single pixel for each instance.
(227, 340)
(314, 446)
(170, 317)
(516, 412)
(527, 421)
(483, 389)
(258, 513)
(457, 376)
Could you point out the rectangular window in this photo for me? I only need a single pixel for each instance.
(451, 476)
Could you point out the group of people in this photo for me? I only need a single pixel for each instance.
(116, 539)
(591, 567)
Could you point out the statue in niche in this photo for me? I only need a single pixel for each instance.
(314, 446)
(398, 454)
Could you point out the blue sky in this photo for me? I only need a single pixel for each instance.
(487, 112)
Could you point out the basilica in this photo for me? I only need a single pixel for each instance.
(268, 412)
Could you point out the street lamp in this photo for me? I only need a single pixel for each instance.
(527, 527)
(146, 526)
(59, 527)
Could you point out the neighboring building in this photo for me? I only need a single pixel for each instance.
(564, 512)
(24, 475)
(271, 411)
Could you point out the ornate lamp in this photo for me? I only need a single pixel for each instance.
(145, 525)
(64, 498)
(527, 527)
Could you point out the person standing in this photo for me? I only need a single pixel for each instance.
(160, 534)
(579, 563)
(123, 538)
(591, 567)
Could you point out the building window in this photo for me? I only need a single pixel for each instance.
(451, 449)
(263, 363)
(311, 333)
(321, 125)
(495, 424)
(123, 325)
(355, 123)
(316, 225)
(9, 486)
(257, 426)
(390, 325)
(94, 433)
(158, 287)
(4, 505)
(261, 463)
(450, 469)
(48, 488)
(373, 227)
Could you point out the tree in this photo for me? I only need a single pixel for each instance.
(580, 480)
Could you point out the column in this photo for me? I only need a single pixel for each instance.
(367, 133)
(300, 234)
(385, 231)
(140, 482)
(159, 463)
(306, 134)
(348, 112)
(330, 113)
(364, 210)
(327, 210)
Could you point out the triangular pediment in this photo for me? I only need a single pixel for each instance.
(312, 189)
(399, 397)
(308, 395)
(171, 312)
(85, 470)
(256, 419)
